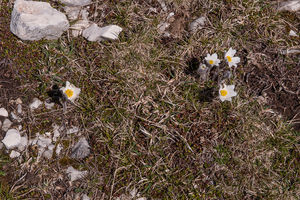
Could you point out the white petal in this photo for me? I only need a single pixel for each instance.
(217, 62)
(236, 59)
(68, 84)
(230, 64)
(214, 56)
(222, 98)
(230, 87)
(230, 52)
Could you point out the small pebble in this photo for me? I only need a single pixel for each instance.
(12, 139)
(14, 154)
(19, 109)
(6, 124)
(3, 112)
(35, 104)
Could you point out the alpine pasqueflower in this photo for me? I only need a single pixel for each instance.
(232, 61)
(226, 92)
(212, 59)
(70, 91)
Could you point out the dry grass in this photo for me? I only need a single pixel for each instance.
(151, 122)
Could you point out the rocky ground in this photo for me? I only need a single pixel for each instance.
(147, 124)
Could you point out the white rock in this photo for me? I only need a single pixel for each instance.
(153, 10)
(163, 5)
(79, 26)
(19, 109)
(85, 197)
(32, 20)
(48, 134)
(81, 149)
(74, 129)
(162, 27)
(6, 124)
(74, 174)
(48, 153)
(75, 3)
(41, 151)
(72, 12)
(14, 154)
(49, 105)
(171, 14)
(12, 139)
(134, 193)
(197, 24)
(20, 127)
(292, 6)
(293, 33)
(3, 112)
(43, 142)
(58, 149)
(56, 132)
(14, 117)
(24, 143)
(95, 33)
(51, 146)
(167, 34)
(35, 104)
(33, 141)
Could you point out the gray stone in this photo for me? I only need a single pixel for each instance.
(14, 117)
(49, 105)
(6, 124)
(85, 197)
(19, 109)
(58, 149)
(75, 174)
(292, 6)
(197, 24)
(79, 26)
(14, 154)
(3, 112)
(75, 2)
(48, 153)
(12, 139)
(81, 149)
(32, 20)
(95, 33)
(35, 104)
(162, 27)
(163, 5)
(24, 143)
(293, 33)
(74, 129)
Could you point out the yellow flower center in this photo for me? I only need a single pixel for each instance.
(229, 58)
(223, 93)
(69, 93)
(211, 62)
(203, 67)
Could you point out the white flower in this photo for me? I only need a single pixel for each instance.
(232, 61)
(227, 92)
(202, 69)
(71, 91)
(212, 59)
